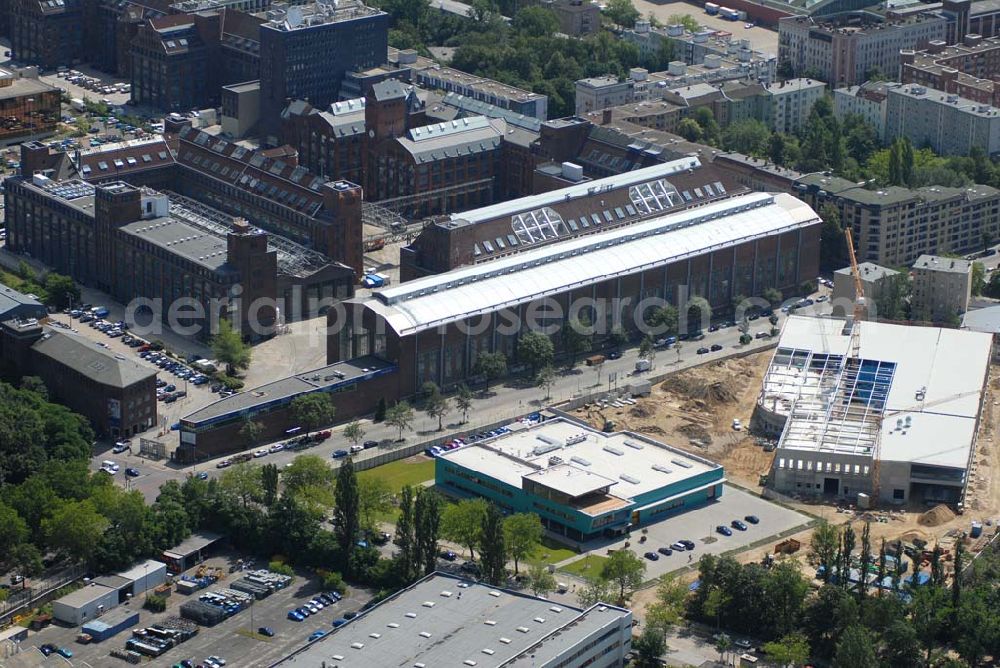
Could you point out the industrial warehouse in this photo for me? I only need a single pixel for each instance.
(582, 483)
(433, 328)
(894, 418)
(443, 620)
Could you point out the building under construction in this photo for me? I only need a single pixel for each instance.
(894, 419)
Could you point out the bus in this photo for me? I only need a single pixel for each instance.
(711, 8)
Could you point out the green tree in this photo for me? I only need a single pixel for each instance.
(668, 608)
(309, 479)
(490, 366)
(706, 121)
(269, 481)
(699, 312)
(689, 22)
(347, 510)
(540, 581)
(536, 22)
(354, 432)
(978, 278)
(624, 569)
(900, 647)
(522, 534)
(832, 242)
(823, 547)
(618, 337)
(36, 385)
(576, 340)
(406, 535)
(723, 643)
(536, 350)
(597, 590)
(26, 560)
(462, 523)
(790, 650)
(374, 499)
(228, 347)
(61, 291)
(13, 528)
(649, 647)
(773, 296)
(621, 12)
(690, 130)
(893, 298)
(463, 401)
(314, 410)
(437, 406)
(663, 320)
(427, 517)
(776, 148)
(545, 379)
(750, 137)
(855, 650)
(251, 431)
(647, 349)
(75, 529)
(399, 416)
(492, 550)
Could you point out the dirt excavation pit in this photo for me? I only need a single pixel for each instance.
(694, 410)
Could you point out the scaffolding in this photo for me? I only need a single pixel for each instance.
(376, 215)
(293, 259)
(407, 204)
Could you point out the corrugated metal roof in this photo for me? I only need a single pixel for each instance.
(436, 300)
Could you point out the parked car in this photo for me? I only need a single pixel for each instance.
(357, 448)
(277, 447)
(702, 351)
(262, 452)
(132, 472)
(679, 547)
(743, 643)
(47, 648)
(448, 555)
(337, 623)
(295, 616)
(665, 551)
(64, 652)
(223, 464)
(716, 347)
(752, 519)
(266, 631)
(202, 475)
(652, 556)
(724, 530)
(337, 454)
(350, 615)
(370, 444)
(121, 446)
(736, 524)
(316, 635)
(688, 544)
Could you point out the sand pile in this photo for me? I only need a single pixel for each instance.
(936, 516)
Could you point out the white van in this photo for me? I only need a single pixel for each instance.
(109, 466)
(643, 365)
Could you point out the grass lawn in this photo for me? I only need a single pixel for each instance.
(589, 566)
(401, 473)
(549, 552)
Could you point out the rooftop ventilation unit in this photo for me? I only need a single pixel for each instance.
(634, 445)
(681, 463)
(613, 450)
(580, 460)
(629, 479)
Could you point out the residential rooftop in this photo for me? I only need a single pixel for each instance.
(443, 620)
(869, 271)
(952, 265)
(289, 17)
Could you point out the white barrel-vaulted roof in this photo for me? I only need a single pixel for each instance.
(437, 300)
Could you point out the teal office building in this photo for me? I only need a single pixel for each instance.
(584, 484)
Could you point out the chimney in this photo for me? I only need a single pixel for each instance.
(606, 116)
(342, 231)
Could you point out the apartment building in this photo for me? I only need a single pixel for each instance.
(894, 226)
(306, 50)
(942, 287)
(967, 69)
(868, 100)
(576, 17)
(789, 103)
(874, 280)
(498, 94)
(949, 124)
(844, 52)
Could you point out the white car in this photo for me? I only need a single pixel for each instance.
(217, 660)
(357, 448)
(277, 447)
(260, 453)
(737, 425)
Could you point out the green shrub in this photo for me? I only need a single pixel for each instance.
(333, 580)
(281, 568)
(155, 603)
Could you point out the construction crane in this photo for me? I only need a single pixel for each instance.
(855, 357)
(859, 298)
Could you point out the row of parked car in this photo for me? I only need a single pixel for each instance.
(437, 450)
(314, 606)
(686, 545)
(176, 367)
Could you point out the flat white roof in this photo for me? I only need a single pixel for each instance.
(592, 459)
(432, 301)
(142, 568)
(937, 383)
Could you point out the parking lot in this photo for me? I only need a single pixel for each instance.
(699, 526)
(231, 639)
(762, 39)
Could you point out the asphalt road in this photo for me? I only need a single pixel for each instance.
(502, 402)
